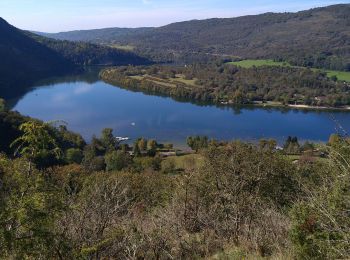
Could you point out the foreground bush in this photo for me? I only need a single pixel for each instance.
(241, 201)
(321, 221)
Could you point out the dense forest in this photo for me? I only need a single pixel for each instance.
(98, 36)
(62, 198)
(318, 38)
(81, 53)
(26, 58)
(228, 84)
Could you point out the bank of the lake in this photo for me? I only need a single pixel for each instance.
(300, 107)
(228, 85)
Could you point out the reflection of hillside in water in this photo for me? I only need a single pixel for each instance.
(89, 75)
(236, 109)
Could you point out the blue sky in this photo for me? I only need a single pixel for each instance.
(65, 15)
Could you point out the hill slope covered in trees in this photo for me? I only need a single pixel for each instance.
(23, 59)
(318, 38)
(95, 35)
(26, 57)
(83, 53)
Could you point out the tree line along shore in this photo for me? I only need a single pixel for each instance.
(224, 83)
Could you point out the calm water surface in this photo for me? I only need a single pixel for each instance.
(89, 105)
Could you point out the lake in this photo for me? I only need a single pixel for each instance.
(88, 105)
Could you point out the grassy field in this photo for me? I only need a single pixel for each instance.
(170, 82)
(341, 75)
(186, 161)
(258, 63)
(298, 157)
(154, 80)
(181, 79)
(122, 47)
(137, 77)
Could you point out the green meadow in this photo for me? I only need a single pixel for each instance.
(259, 63)
(341, 75)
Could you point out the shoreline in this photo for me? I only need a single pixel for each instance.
(300, 107)
(267, 104)
(347, 108)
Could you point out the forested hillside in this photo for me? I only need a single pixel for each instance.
(82, 53)
(96, 35)
(318, 38)
(26, 57)
(23, 59)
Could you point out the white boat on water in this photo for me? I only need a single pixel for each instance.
(121, 139)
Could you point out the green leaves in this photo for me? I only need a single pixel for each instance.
(26, 214)
(36, 140)
(321, 223)
(2, 105)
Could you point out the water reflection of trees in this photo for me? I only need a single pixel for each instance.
(87, 75)
(236, 109)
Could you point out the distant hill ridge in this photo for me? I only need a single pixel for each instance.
(318, 37)
(95, 35)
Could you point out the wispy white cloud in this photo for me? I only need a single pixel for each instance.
(85, 88)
